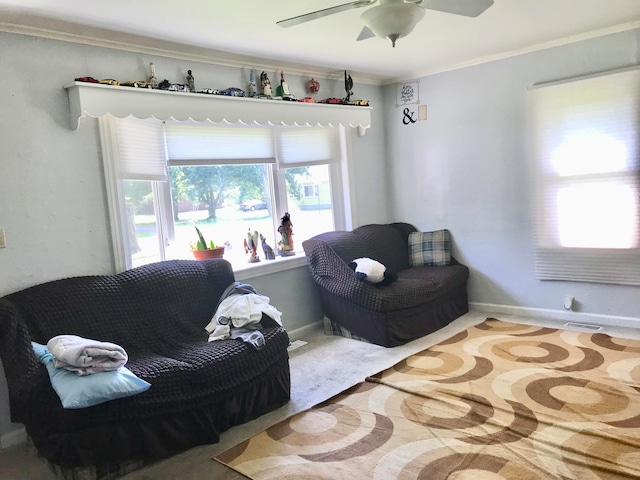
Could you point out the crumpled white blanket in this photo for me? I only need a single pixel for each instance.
(84, 355)
(240, 310)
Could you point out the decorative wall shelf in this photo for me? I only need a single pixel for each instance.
(96, 100)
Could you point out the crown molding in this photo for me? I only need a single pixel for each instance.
(17, 22)
(522, 51)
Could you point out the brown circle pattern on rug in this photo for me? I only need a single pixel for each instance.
(446, 467)
(589, 398)
(499, 401)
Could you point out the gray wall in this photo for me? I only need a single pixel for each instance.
(466, 169)
(52, 196)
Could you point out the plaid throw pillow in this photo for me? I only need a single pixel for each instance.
(430, 248)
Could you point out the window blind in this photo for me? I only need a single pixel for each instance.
(218, 145)
(586, 149)
(305, 146)
(140, 149)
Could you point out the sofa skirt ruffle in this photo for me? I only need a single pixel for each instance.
(103, 450)
(390, 329)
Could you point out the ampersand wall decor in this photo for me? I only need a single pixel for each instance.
(408, 117)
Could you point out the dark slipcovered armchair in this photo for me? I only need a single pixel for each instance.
(422, 300)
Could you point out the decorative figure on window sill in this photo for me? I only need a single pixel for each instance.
(191, 82)
(266, 249)
(285, 245)
(251, 245)
(266, 84)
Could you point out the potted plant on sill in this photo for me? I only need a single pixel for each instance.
(202, 250)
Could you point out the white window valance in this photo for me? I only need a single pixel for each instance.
(96, 100)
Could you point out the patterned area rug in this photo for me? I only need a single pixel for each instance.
(497, 401)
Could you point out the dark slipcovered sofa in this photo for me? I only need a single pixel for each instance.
(158, 314)
(422, 300)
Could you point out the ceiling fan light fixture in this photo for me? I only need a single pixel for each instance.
(393, 20)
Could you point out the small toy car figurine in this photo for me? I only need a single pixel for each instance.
(362, 103)
(232, 92)
(136, 84)
(109, 81)
(308, 100)
(173, 87)
(86, 79)
(332, 100)
(209, 91)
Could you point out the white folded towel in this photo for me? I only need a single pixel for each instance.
(84, 355)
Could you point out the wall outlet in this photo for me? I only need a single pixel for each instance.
(568, 302)
(3, 242)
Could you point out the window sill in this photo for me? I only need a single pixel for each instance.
(267, 267)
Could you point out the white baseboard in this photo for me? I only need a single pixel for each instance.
(590, 318)
(301, 332)
(13, 438)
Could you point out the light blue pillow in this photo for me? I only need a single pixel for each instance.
(77, 391)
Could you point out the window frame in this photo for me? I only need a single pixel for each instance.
(557, 116)
(340, 195)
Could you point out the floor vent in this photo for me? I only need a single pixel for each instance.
(584, 326)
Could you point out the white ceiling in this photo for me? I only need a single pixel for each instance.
(244, 32)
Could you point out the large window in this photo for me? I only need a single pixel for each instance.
(586, 139)
(226, 180)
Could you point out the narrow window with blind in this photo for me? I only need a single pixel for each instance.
(586, 163)
(227, 180)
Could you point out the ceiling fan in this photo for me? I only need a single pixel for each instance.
(393, 19)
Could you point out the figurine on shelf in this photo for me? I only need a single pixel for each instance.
(266, 249)
(283, 89)
(153, 80)
(266, 84)
(252, 90)
(285, 245)
(191, 82)
(251, 245)
(348, 85)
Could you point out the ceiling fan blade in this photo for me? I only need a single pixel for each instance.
(468, 8)
(290, 22)
(365, 33)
